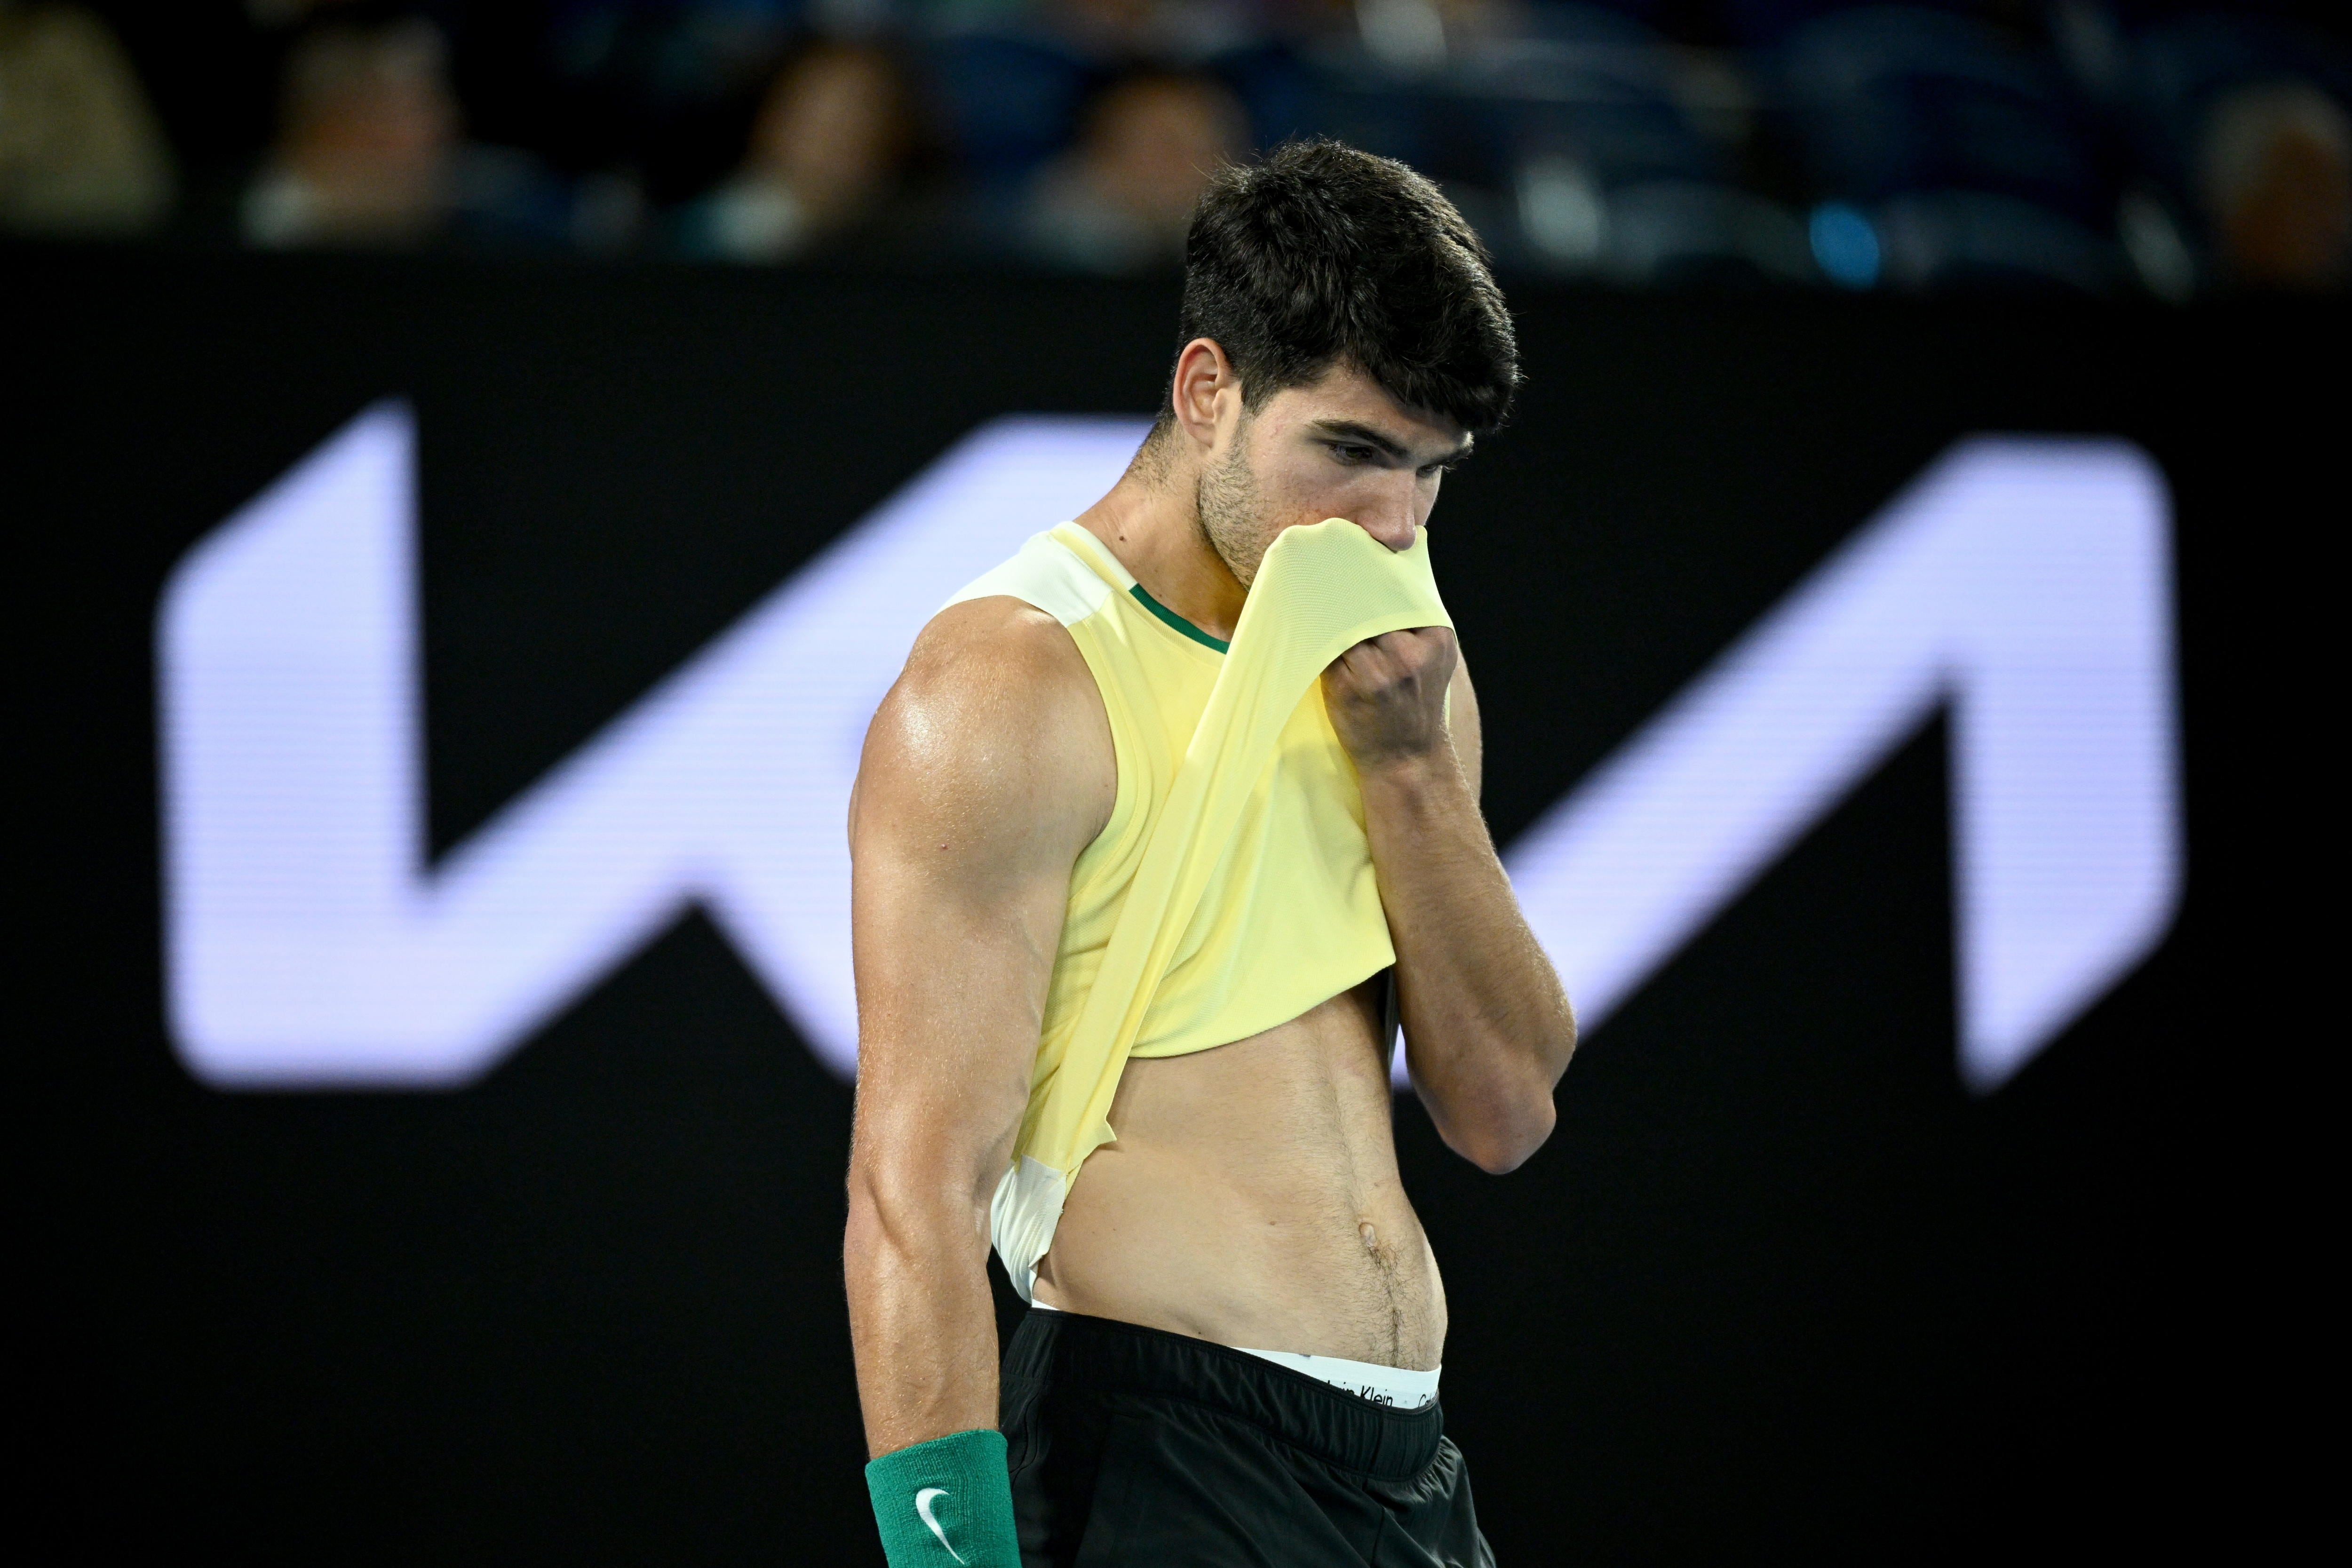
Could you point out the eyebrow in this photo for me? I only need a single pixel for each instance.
(1348, 430)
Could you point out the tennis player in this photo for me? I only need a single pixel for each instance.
(1169, 824)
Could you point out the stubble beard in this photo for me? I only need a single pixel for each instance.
(1233, 517)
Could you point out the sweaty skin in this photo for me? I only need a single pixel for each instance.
(1252, 1197)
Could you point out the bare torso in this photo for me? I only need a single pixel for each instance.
(1253, 1198)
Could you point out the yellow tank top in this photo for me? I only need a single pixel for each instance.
(1231, 889)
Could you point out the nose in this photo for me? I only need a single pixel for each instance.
(1387, 514)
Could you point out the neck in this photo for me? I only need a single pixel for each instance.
(1153, 526)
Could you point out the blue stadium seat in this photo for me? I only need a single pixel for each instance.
(1672, 233)
(1008, 101)
(1595, 85)
(1978, 240)
(1276, 89)
(1974, 160)
(1425, 121)
(1572, 81)
(1898, 101)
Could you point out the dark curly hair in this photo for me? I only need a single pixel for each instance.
(1324, 255)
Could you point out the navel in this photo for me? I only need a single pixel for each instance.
(1371, 1237)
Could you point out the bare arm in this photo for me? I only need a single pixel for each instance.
(987, 769)
(1487, 1028)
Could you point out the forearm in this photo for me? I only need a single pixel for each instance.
(1487, 1028)
(922, 1320)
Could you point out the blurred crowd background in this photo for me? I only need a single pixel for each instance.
(2093, 146)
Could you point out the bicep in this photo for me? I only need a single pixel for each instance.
(951, 977)
(971, 803)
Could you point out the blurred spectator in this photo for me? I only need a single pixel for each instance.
(2237, 125)
(80, 152)
(2275, 172)
(369, 152)
(1936, 144)
(668, 87)
(1121, 199)
(366, 144)
(829, 151)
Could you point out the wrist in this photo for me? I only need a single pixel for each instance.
(1413, 778)
(947, 1501)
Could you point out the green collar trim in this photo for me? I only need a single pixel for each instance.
(1177, 621)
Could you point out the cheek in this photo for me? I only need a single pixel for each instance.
(1325, 491)
(1291, 490)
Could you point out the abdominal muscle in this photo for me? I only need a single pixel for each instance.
(1252, 1198)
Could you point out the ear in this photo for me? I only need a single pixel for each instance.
(1205, 389)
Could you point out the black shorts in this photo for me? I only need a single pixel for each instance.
(1131, 1446)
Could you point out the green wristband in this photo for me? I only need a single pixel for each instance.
(945, 1503)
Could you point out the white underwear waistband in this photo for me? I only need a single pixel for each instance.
(1367, 1380)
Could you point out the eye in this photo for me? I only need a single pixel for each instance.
(1352, 452)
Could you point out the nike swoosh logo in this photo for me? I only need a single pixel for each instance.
(923, 1509)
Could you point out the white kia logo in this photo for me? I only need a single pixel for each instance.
(2025, 584)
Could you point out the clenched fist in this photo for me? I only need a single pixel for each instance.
(1386, 696)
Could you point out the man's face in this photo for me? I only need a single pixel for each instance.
(1340, 447)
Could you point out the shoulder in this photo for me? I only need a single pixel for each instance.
(996, 711)
(997, 659)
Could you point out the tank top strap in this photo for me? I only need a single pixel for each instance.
(1079, 543)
